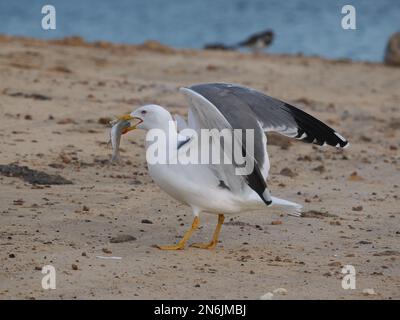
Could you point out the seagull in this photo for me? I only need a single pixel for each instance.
(218, 188)
(258, 41)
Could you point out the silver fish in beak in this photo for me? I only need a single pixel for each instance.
(119, 127)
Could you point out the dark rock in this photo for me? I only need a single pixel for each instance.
(364, 242)
(392, 53)
(34, 96)
(317, 214)
(122, 238)
(320, 169)
(387, 253)
(32, 176)
(57, 165)
(288, 173)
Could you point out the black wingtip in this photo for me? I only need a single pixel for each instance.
(343, 142)
(312, 130)
(266, 197)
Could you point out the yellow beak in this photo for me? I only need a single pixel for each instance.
(125, 117)
(128, 117)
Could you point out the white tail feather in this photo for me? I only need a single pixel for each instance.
(292, 208)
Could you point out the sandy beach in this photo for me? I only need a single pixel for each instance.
(56, 100)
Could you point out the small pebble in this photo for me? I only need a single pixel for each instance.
(122, 238)
(369, 292)
(281, 291)
(267, 296)
(287, 173)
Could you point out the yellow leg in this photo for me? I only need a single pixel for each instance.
(214, 240)
(181, 244)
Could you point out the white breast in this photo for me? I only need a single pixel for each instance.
(194, 185)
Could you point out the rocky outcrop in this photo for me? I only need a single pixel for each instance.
(392, 54)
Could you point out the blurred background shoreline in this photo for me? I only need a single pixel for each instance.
(301, 26)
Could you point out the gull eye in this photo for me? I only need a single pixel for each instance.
(143, 112)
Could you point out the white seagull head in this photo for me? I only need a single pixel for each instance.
(149, 117)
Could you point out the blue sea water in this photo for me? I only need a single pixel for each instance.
(309, 27)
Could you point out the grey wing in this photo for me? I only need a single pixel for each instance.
(205, 115)
(273, 114)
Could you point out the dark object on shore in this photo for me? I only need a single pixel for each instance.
(255, 42)
(258, 41)
(317, 214)
(35, 96)
(32, 176)
(218, 46)
(392, 54)
(122, 238)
